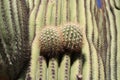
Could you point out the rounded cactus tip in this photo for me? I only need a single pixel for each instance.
(72, 37)
(50, 43)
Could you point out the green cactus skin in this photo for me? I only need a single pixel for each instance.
(13, 28)
(72, 10)
(62, 12)
(40, 17)
(50, 43)
(86, 12)
(41, 73)
(72, 37)
(35, 52)
(53, 69)
(51, 12)
(76, 67)
(64, 70)
(117, 15)
(32, 19)
(41, 70)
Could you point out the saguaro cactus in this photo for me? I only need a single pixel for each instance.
(89, 50)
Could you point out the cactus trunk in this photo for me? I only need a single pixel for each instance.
(68, 39)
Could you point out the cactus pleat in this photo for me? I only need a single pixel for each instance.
(76, 67)
(113, 46)
(13, 35)
(53, 69)
(51, 12)
(40, 17)
(32, 19)
(64, 71)
(35, 52)
(62, 11)
(30, 4)
(81, 12)
(117, 15)
(96, 58)
(101, 69)
(93, 53)
(87, 62)
(41, 73)
(72, 10)
(3, 59)
(108, 55)
(2, 35)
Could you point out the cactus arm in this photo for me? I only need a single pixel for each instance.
(58, 12)
(113, 40)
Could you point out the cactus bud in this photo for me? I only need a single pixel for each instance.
(72, 37)
(50, 42)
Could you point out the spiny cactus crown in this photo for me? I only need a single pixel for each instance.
(53, 39)
(72, 37)
(50, 42)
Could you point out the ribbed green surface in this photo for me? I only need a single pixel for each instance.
(90, 34)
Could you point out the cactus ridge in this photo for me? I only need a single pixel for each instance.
(50, 42)
(40, 69)
(72, 37)
(52, 69)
